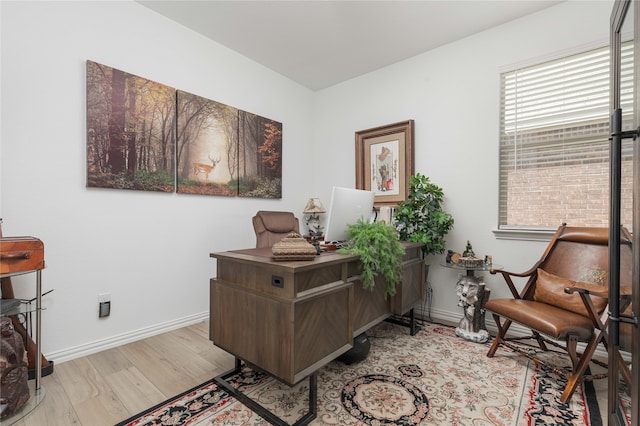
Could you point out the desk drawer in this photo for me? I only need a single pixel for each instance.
(21, 254)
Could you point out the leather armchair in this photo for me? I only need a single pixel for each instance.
(565, 298)
(273, 226)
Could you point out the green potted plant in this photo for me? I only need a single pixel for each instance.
(420, 218)
(380, 253)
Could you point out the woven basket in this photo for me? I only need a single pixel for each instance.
(293, 247)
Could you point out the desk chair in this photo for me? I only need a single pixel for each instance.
(565, 298)
(273, 226)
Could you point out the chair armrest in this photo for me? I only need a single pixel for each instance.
(527, 273)
(507, 278)
(513, 274)
(571, 290)
(598, 319)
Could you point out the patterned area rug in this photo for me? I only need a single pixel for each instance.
(432, 378)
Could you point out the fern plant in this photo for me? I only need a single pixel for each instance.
(380, 253)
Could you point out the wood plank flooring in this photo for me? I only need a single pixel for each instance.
(110, 386)
(113, 385)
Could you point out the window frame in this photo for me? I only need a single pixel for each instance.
(532, 232)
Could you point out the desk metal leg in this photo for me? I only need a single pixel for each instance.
(38, 329)
(413, 328)
(259, 409)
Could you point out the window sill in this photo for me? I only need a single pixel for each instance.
(541, 234)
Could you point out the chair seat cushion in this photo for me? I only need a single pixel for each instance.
(547, 319)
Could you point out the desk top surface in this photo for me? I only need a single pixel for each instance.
(265, 255)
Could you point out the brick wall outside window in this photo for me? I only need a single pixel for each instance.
(533, 195)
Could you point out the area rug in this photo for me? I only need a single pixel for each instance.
(432, 378)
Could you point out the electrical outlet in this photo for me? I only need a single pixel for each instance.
(104, 309)
(104, 305)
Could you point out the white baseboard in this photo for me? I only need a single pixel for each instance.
(448, 317)
(121, 339)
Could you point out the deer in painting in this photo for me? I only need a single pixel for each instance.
(205, 168)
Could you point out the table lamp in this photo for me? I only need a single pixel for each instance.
(312, 212)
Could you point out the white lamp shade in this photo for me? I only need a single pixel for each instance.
(314, 206)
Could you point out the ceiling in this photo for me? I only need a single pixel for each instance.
(322, 43)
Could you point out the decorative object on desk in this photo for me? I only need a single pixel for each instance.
(293, 247)
(14, 389)
(471, 298)
(421, 218)
(384, 161)
(312, 212)
(380, 253)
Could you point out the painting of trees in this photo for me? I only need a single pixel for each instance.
(207, 146)
(130, 131)
(148, 136)
(260, 156)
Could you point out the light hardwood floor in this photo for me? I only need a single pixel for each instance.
(113, 385)
(110, 386)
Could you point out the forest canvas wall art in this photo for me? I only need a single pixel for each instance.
(130, 131)
(225, 151)
(260, 156)
(145, 135)
(207, 146)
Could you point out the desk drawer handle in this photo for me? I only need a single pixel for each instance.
(16, 255)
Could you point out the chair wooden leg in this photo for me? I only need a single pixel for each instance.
(581, 365)
(624, 368)
(572, 349)
(540, 340)
(502, 331)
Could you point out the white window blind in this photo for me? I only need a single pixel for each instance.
(554, 147)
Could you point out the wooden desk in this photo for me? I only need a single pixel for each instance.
(291, 318)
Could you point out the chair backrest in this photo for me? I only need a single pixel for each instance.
(273, 226)
(582, 254)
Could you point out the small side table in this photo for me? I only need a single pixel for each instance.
(472, 295)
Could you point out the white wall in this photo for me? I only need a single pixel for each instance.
(151, 251)
(452, 93)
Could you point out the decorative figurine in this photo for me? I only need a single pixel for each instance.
(313, 224)
(472, 296)
(468, 251)
(449, 256)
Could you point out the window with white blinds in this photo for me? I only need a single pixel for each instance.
(554, 147)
